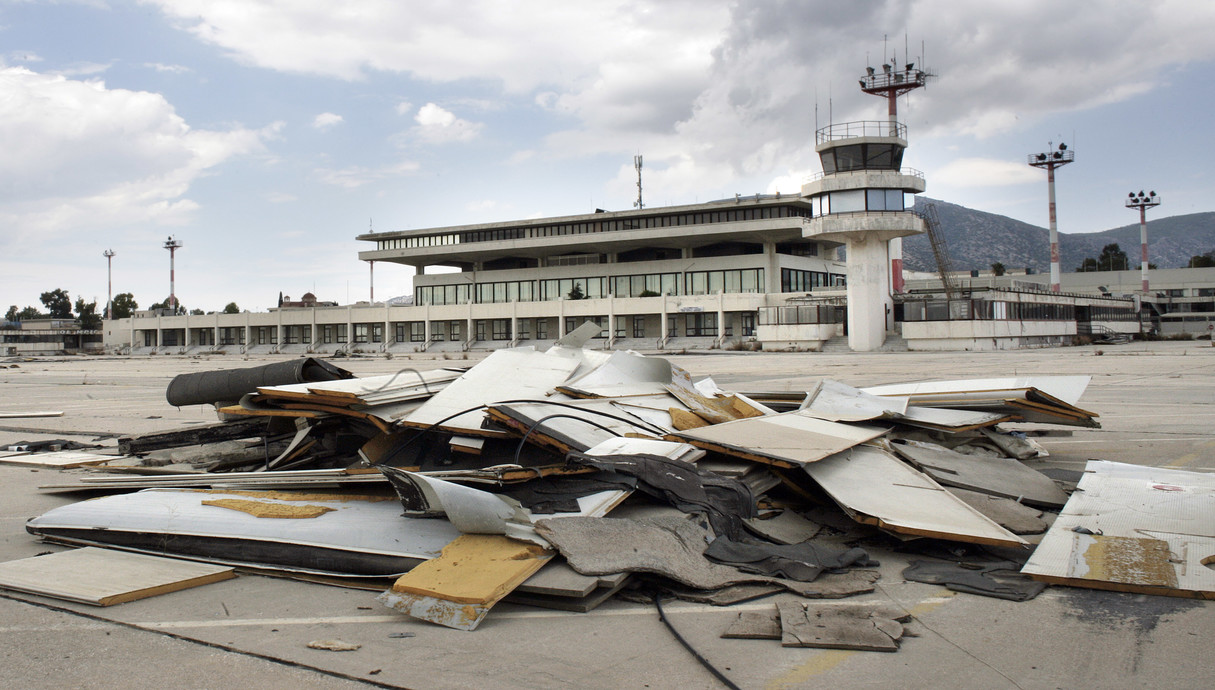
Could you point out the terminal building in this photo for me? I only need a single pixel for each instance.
(816, 270)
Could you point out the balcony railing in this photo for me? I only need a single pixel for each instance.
(861, 128)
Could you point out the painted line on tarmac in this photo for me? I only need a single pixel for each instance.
(677, 609)
(1154, 439)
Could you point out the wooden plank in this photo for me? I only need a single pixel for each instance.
(474, 572)
(62, 460)
(102, 577)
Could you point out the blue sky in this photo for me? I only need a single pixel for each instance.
(266, 134)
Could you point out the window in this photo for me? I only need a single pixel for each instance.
(701, 325)
(747, 322)
(638, 326)
(541, 329)
(417, 331)
(501, 329)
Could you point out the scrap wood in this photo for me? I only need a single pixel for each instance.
(199, 435)
(62, 460)
(1129, 528)
(473, 573)
(1001, 476)
(875, 629)
(359, 537)
(102, 577)
(877, 488)
(788, 439)
(1005, 512)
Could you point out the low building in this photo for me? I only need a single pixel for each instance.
(49, 337)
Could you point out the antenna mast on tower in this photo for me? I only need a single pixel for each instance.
(637, 164)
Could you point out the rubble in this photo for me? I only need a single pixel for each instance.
(563, 478)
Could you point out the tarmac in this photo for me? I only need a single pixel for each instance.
(1156, 402)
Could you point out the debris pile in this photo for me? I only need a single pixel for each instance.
(564, 477)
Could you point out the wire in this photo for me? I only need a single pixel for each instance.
(538, 422)
(703, 661)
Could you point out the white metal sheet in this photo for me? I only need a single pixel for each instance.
(874, 483)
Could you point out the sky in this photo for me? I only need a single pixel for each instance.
(265, 135)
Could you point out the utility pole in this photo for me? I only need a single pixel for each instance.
(637, 164)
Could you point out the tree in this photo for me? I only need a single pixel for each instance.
(997, 269)
(1112, 258)
(58, 303)
(123, 306)
(11, 314)
(577, 292)
(29, 313)
(231, 308)
(197, 312)
(87, 313)
(1203, 260)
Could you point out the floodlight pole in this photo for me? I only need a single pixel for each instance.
(1143, 202)
(172, 244)
(371, 272)
(1051, 160)
(891, 83)
(109, 287)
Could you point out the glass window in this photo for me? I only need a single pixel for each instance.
(894, 200)
(848, 202)
(849, 158)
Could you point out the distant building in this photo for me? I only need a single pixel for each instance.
(48, 337)
(308, 301)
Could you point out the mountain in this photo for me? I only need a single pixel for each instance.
(976, 240)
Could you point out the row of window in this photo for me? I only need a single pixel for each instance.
(862, 157)
(967, 309)
(730, 215)
(795, 280)
(856, 200)
(645, 285)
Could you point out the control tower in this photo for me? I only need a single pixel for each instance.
(860, 200)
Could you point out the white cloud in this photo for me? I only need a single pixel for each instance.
(717, 91)
(985, 172)
(168, 69)
(357, 176)
(78, 154)
(326, 120)
(404, 108)
(439, 126)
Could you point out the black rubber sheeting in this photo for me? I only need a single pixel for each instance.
(215, 387)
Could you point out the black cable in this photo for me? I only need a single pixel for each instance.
(538, 422)
(703, 661)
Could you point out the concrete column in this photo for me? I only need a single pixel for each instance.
(721, 316)
(771, 269)
(426, 324)
(896, 264)
(869, 300)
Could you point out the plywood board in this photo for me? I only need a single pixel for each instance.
(63, 460)
(789, 439)
(503, 375)
(839, 402)
(1003, 477)
(1133, 529)
(877, 488)
(1068, 389)
(473, 573)
(103, 577)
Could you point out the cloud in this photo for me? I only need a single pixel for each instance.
(439, 126)
(326, 120)
(167, 69)
(357, 176)
(78, 154)
(404, 108)
(985, 172)
(721, 91)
